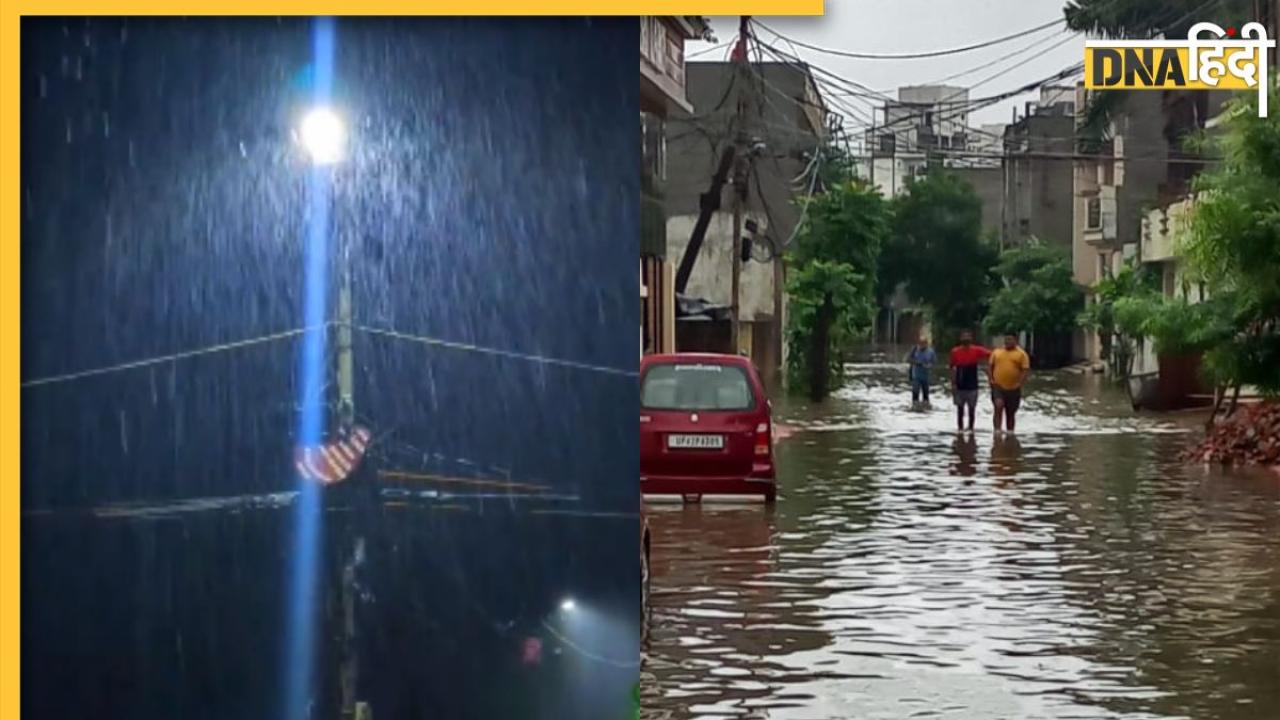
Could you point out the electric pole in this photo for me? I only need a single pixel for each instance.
(735, 254)
(739, 183)
(349, 673)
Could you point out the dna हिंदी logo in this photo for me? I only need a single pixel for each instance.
(1209, 59)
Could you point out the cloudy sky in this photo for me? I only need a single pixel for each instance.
(912, 26)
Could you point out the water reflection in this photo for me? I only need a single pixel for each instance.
(965, 449)
(1075, 569)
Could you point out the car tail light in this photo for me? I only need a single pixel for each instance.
(763, 439)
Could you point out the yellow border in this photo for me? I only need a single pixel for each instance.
(426, 7)
(10, 200)
(10, 411)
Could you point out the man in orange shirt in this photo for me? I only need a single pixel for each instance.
(1007, 371)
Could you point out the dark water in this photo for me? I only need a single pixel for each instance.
(1079, 571)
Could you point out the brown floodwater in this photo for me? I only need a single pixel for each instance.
(1077, 570)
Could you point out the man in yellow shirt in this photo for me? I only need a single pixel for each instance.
(1007, 371)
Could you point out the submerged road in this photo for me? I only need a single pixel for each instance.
(1077, 571)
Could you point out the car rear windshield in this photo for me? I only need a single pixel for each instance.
(696, 386)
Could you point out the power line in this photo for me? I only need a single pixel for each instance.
(958, 107)
(275, 337)
(912, 56)
(161, 359)
(1037, 155)
(984, 66)
(708, 51)
(512, 354)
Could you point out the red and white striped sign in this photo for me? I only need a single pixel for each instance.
(334, 461)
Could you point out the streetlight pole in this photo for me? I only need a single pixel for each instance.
(324, 136)
(346, 367)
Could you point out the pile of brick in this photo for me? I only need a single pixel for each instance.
(1250, 437)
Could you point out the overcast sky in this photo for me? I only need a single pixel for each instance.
(909, 26)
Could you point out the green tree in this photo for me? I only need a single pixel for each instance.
(1039, 295)
(1232, 244)
(937, 249)
(1119, 336)
(1145, 19)
(836, 166)
(1175, 326)
(831, 285)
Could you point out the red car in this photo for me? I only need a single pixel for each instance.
(705, 427)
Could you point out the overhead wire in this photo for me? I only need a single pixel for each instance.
(170, 357)
(276, 337)
(917, 55)
(707, 51)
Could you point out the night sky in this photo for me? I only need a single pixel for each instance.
(490, 199)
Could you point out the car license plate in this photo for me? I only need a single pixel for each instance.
(695, 442)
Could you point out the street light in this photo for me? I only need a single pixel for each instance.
(568, 605)
(324, 136)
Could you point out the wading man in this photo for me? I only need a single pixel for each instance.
(1007, 371)
(921, 360)
(965, 358)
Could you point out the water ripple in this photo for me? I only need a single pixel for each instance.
(1075, 570)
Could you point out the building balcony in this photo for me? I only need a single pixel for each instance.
(662, 71)
(1100, 219)
(1160, 229)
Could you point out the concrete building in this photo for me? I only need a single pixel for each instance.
(1109, 195)
(784, 124)
(1037, 173)
(662, 91)
(908, 131)
(987, 143)
(1142, 166)
(989, 184)
(1158, 253)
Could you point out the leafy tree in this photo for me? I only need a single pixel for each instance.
(1145, 19)
(1039, 296)
(832, 285)
(837, 166)
(1232, 244)
(938, 251)
(1175, 326)
(1119, 335)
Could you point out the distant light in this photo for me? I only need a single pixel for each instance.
(568, 605)
(324, 136)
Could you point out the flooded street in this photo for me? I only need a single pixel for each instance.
(1077, 571)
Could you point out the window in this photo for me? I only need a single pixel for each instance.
(696, 386)
(1095, 213)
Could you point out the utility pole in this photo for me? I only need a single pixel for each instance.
(779, 280)
(352, 708)
(735, 254)
(741, 58)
